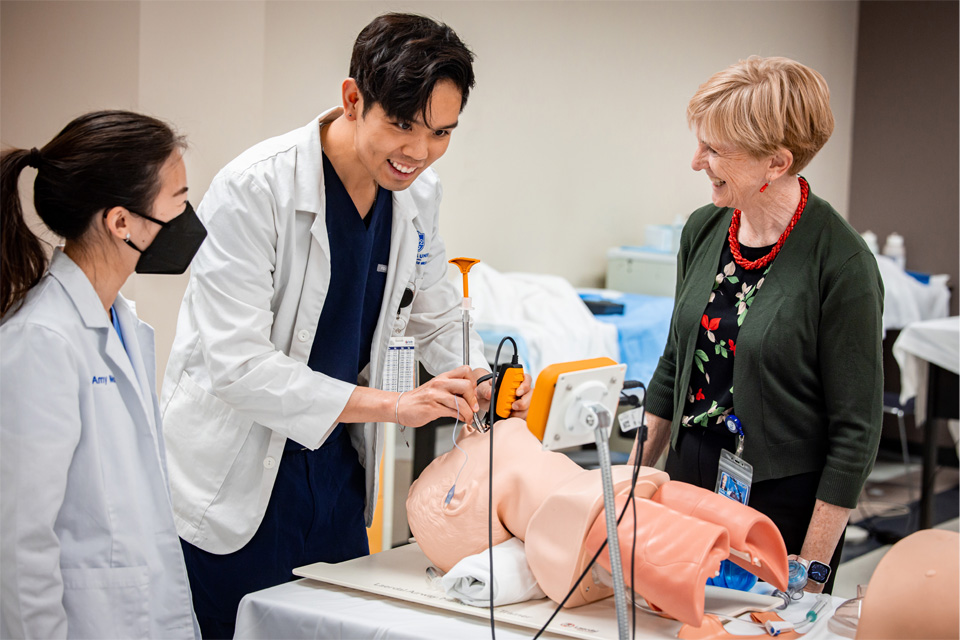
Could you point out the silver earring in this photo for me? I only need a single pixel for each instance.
(128, 236)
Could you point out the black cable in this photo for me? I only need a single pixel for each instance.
(495, 385)
(493, 630)
(642, 436)
(629, 400)
(633, 571)
(490, 413)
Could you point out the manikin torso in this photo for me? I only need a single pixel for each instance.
(556, 507)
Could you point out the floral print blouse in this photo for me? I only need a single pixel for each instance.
(710, 395)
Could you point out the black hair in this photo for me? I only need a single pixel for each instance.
(399, 58)
(100, 160)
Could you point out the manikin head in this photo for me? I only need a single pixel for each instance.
(541, 497)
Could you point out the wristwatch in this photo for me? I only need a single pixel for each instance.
(816, 570)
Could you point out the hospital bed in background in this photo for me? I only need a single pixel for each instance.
(550, 321)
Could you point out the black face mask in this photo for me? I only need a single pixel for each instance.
(174, 245)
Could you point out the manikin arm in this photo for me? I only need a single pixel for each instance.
(667, 556)
(755, 542)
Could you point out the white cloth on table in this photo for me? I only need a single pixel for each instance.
(932, 341)
(546, 311)
(469, 580)
(907, 300)
(308, 609)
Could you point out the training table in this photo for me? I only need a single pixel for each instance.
(309, 608)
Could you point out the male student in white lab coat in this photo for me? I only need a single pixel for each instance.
(323, 245)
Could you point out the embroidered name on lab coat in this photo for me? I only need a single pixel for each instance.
(103, 380)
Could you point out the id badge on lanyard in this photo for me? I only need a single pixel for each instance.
(400, 368)
(734, 475)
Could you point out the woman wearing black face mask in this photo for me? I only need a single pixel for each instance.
(88, 543)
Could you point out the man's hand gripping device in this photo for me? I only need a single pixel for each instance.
(507, 379)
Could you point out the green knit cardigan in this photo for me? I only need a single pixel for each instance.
(808, 377)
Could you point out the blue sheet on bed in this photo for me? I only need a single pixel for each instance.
(642, 330)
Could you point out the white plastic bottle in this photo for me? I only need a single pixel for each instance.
(894, 248)
(872, 242)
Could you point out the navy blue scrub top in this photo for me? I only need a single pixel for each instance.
(359, 255)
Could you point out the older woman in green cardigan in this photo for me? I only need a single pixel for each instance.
(777, 319)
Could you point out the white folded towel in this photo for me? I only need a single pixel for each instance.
(468, 581)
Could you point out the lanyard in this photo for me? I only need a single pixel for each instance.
(733, 425)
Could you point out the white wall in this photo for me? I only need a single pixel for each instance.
(572, 141)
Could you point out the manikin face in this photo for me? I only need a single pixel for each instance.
(736, 176)
(396, 152)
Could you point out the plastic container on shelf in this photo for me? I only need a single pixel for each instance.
(894, 249)
(872, 242)
(645, 270)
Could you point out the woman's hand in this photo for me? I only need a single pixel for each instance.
(826, 526)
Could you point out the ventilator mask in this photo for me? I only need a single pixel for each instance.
(174, 246)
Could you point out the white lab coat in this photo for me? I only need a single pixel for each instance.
(89, 548)
(237, 383)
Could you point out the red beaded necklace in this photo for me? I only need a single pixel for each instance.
(767, 259)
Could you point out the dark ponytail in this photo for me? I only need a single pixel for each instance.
(22, 260)
(100, 160)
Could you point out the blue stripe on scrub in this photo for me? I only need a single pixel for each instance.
(315, 513)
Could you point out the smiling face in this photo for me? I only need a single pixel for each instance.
(396, 152)
(736, 175)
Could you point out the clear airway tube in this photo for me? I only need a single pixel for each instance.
(465, 319)
(446, 501)
(464, 264)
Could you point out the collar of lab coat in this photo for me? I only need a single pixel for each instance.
(80, 290)
(310, 195)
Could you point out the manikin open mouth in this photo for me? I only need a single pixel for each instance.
(402, 168)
